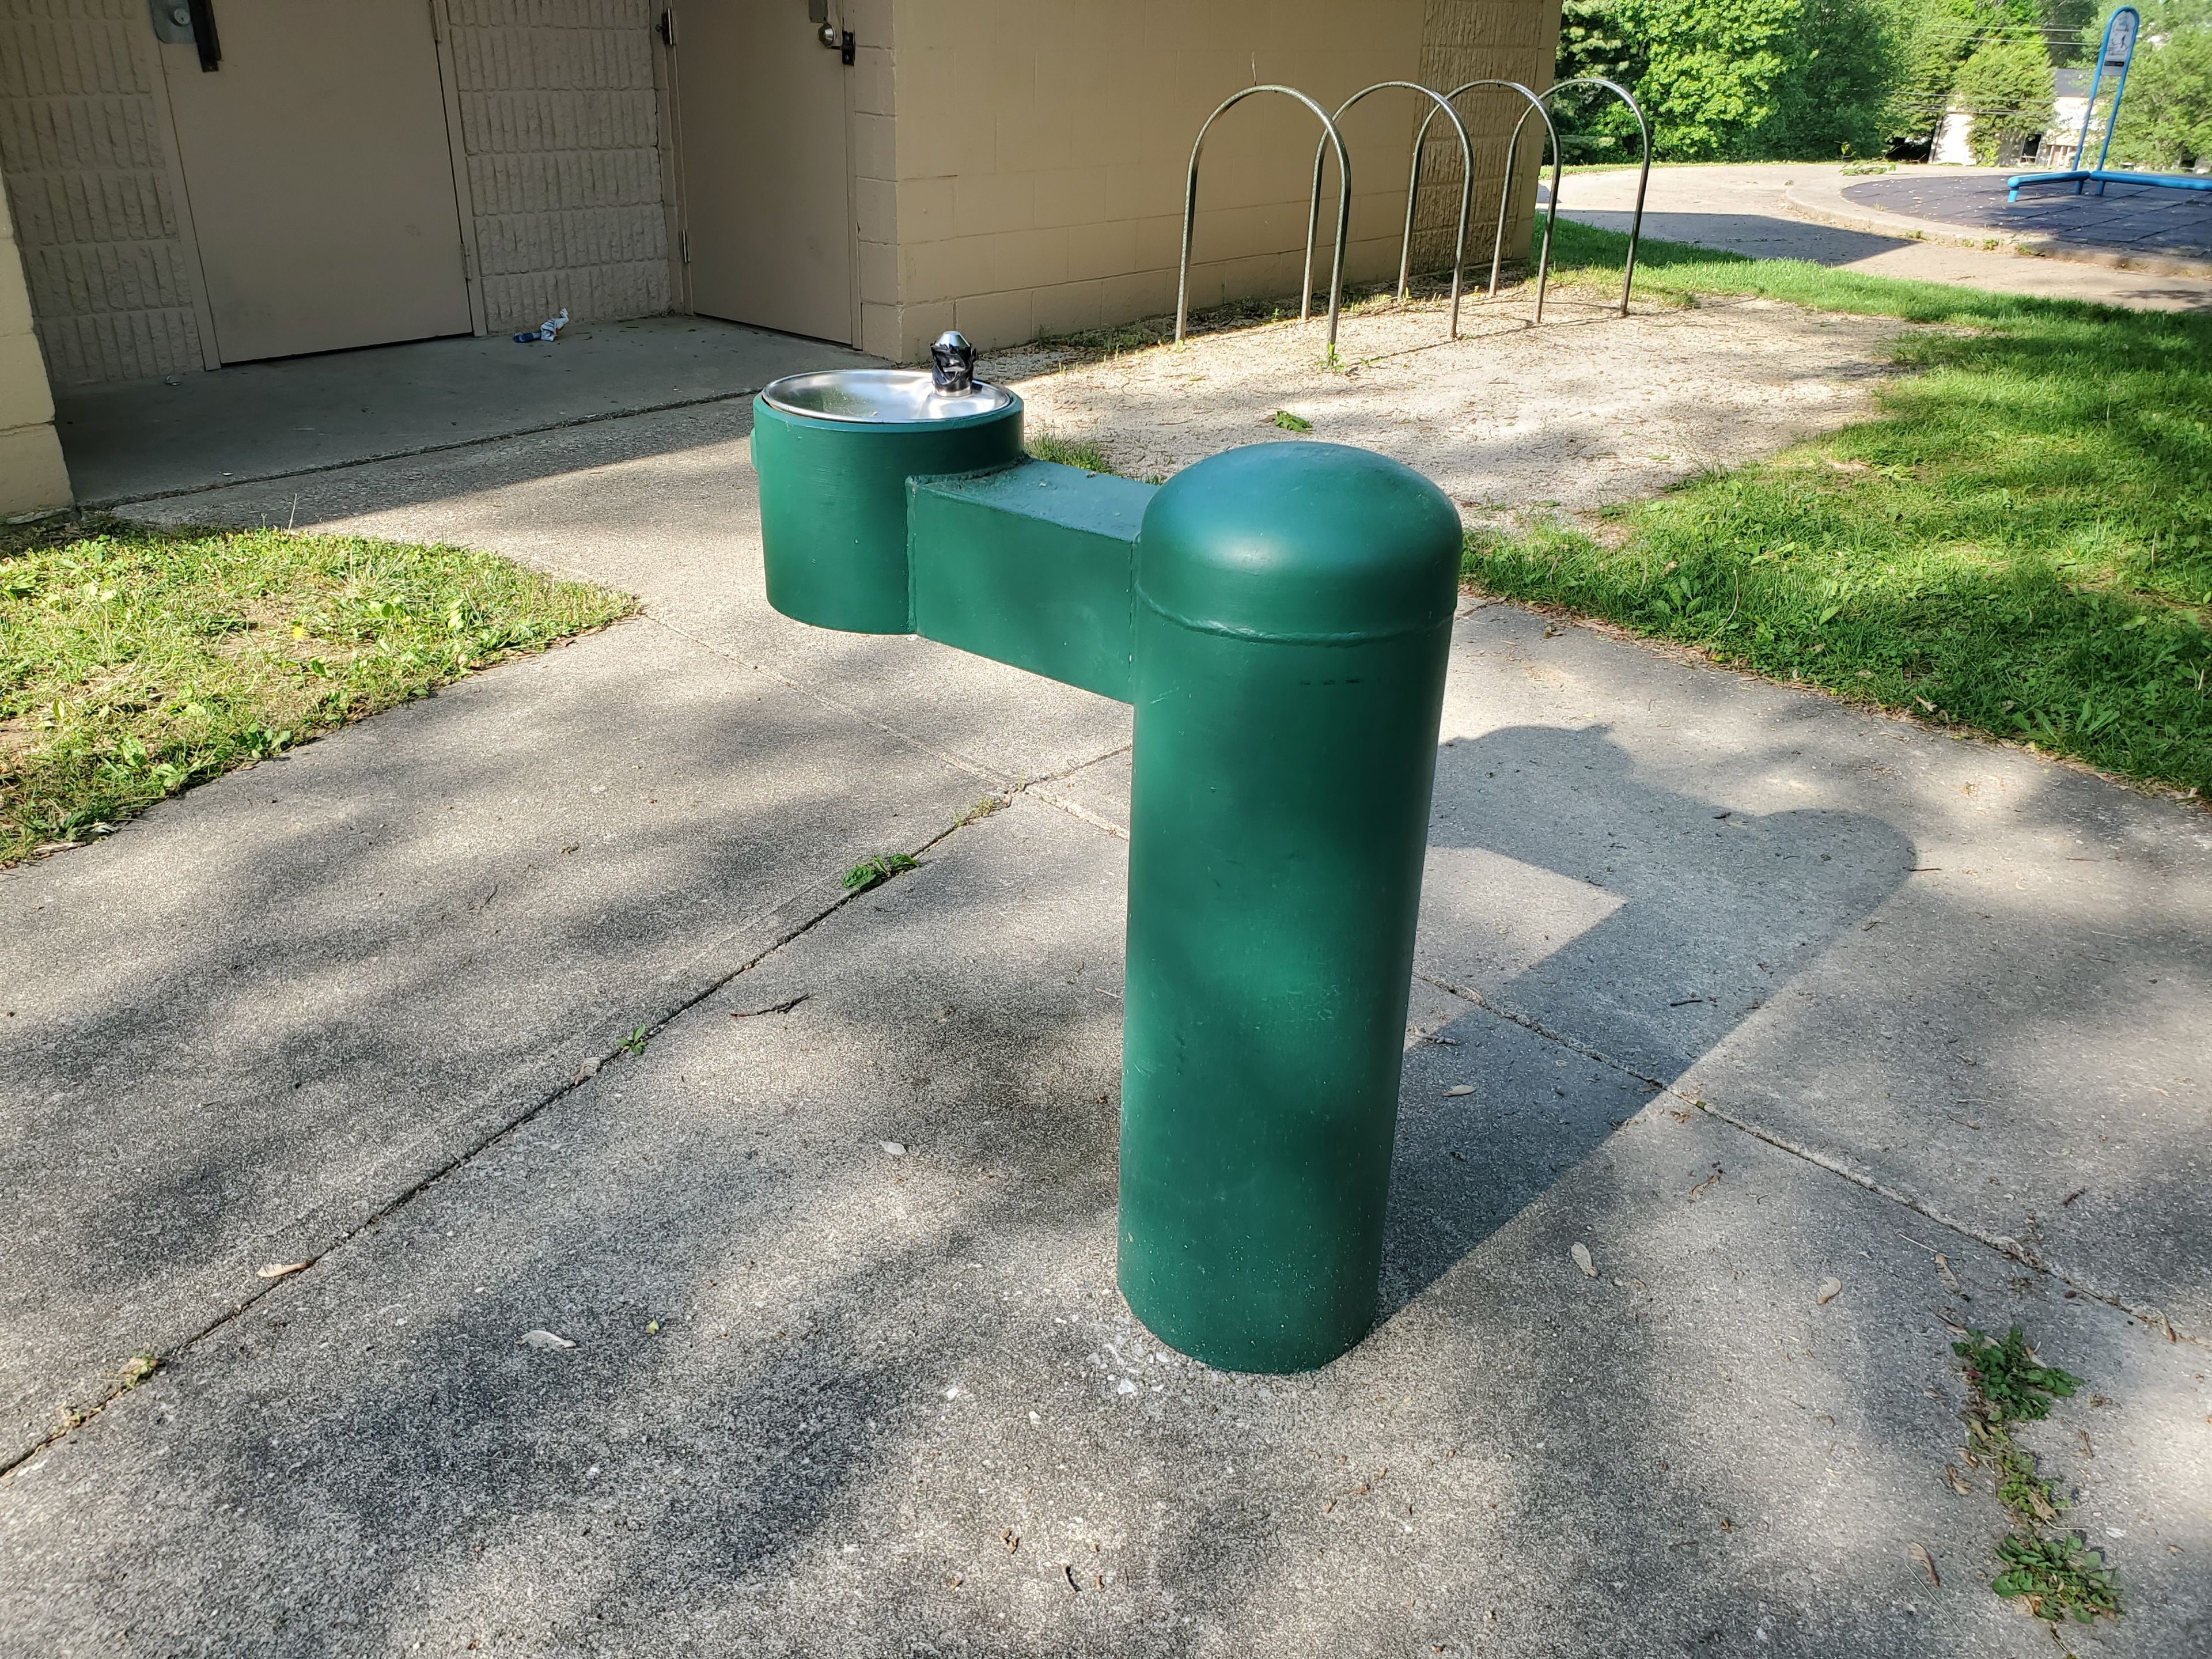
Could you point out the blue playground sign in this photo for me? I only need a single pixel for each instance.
(2113, 56)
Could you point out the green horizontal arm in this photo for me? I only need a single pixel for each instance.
(1033, 566)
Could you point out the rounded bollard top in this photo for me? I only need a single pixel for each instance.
(1301, 541)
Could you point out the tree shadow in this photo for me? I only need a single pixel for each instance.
(1665, 922)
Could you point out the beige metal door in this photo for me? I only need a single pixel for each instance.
(320, 181)
(767, 189)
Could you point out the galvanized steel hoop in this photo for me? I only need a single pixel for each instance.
(1405, 247)
(1643, 178)
(1330, 135)
(1505, 193)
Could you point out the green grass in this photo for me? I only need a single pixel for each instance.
(135, 661)
(1068, 452)
(2017, 544)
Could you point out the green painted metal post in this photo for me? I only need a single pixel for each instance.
(1280, 617)
(1294, 607)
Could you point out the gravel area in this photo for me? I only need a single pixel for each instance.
(1588, 409)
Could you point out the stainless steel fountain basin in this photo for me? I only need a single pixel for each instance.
(884, 396)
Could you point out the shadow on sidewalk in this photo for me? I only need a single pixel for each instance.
(1686, 918)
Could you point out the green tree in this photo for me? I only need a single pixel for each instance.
(1595, 40)
(1835, 96)
(2006, 86)
(1936, 38)
(1711, 70)
(1730, 79)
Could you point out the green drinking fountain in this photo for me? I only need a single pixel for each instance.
(1279, 617)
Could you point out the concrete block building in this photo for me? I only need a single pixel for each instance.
(195, 183)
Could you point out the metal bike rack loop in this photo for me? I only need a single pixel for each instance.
(1405, 247)
(1343, 211)
(1643, 178)
(1505, 192)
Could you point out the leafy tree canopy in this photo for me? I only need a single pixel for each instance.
(2165, 119)
(1805, 79)
(2008, 87)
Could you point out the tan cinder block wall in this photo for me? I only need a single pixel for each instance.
(562, 126)
(32, 475)
(873, 146)
(1042, 146)
(1464, 41)
(86, 169)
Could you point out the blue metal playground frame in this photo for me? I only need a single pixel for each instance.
(2108, 58)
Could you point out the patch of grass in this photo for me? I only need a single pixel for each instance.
(136, 661)
(2019, 544)
(1289, 422)
(1067, 451)
(876, 870)
(2059, 1577)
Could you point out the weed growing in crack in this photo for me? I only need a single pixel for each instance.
(2008, 1379)
(875, 871)
(983, 807)
(2059, 1577)
(636, 1042)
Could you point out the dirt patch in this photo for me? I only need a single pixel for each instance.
(1586, 411)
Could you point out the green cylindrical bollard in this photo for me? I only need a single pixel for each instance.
(1294, 604)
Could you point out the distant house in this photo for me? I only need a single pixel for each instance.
(222, 181)
(1954, 139)
(2062, 139)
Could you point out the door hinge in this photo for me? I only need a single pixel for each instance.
(684, 247)
(468, 262)
(668, 29)
(437, 26)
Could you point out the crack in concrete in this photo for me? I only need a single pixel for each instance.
(2006, 1245)
(78, 1417)
(1074, 809)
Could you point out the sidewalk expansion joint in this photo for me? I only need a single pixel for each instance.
(2012, 1249)
(1075, 809)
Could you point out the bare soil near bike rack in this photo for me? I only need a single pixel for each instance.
(1586, 410)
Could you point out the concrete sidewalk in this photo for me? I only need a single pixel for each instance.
(204, 430)
(1751, 991)
(1799, 211)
